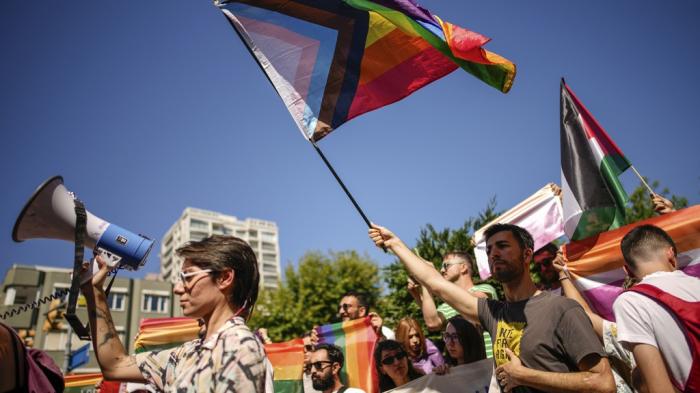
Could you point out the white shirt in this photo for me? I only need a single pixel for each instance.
(352, 390)
(641, 320)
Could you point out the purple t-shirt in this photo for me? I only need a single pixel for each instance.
(429, 360)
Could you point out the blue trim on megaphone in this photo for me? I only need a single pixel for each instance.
(132, 248)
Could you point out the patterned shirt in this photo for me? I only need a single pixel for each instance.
(448, 312)
(231, 360)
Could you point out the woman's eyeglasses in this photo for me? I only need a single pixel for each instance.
(319, 366)
(450, 337)
(389, 360)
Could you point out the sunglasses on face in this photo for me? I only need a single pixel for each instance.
(389, 360)
(346, 306)
(450, 337)
(447, 265)
(319, 366)
(185, 277)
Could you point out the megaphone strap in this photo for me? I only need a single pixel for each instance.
(80, 330)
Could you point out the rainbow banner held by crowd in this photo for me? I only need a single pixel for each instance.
(596, 263)
(333, 60)
(357, 339)
(287, 360)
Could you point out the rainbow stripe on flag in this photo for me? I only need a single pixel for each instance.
(357, 340)
(333, 60)
(287, 360)
(163, 333)
(596, 262)
(82, 383)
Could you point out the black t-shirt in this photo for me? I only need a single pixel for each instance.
(548, 332)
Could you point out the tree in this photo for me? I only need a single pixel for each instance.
(431, 246)
(310, 295)
(641, 207)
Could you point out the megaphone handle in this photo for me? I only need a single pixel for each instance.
(111, 259)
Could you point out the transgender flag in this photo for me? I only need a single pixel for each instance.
(357, 340)
(596, 262)
(593, 197)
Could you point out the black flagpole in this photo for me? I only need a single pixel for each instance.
(342, 185)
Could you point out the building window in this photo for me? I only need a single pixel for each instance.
(154, 303)
(253, 233)
(199, 224)
(56, 340)
(268, 246)
(116, 301)
(269, 268)
(268, 237)
(269, 257)
(197, 236)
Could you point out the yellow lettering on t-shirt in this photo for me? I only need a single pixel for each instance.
(508, 335)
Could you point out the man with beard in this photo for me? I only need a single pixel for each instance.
(354, 305)
(541, 342)
(326, 363)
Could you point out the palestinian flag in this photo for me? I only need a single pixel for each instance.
(593, 197)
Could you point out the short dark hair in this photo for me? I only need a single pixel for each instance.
(335, 354)
(362, 299)
(643, 240)
(219, 253)
(523, 237)
(463, 255)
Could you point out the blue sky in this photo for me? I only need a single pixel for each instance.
(148, 107)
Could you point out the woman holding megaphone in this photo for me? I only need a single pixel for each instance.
(218, 284)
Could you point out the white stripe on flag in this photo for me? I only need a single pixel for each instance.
(541, 214)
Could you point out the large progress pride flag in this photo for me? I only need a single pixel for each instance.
(596, 262)
(357, 340)
(332, 60)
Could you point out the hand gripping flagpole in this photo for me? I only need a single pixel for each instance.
(342, 185)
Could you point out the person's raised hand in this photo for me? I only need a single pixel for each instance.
(382, 237)
(661, 204)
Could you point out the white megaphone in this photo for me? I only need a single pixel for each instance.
(50, 214)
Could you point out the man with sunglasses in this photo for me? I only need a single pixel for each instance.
(456, 268)
(354, 305)
(326, 362)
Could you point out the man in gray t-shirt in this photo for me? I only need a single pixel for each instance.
(541, 342)
(547, 332)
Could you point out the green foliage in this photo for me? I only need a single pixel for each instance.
(431, 245)
(641, 207)
(310, 295)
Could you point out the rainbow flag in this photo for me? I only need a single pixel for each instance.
(332, 60)
(287, 360)
(596, 262)
(357, 340)
(163, 333)
(78, 383)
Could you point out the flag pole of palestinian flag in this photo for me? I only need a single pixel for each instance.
(593, 197)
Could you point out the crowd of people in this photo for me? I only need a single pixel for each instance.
(539, 341)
